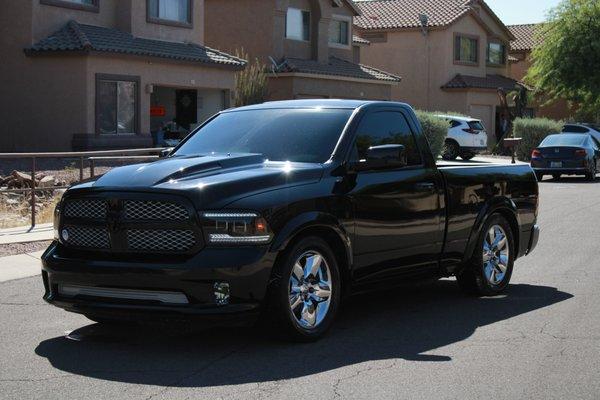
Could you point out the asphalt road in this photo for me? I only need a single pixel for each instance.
(541, 341)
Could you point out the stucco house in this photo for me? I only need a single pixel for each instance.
(307, 45)
(452, 54)
(99, 74)
(526, 37)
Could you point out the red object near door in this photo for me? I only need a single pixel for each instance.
(158, 111)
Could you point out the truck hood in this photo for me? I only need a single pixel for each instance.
(210, 181)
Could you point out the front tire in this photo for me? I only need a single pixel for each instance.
(305, 292)
(490, 269)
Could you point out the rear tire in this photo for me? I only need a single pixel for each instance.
(591, 176)
(305, 292)
(467, 156)
(540, 177)
(450, 151)
(490, 269)
(556, 177)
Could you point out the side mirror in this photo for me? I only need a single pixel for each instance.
(384, 157)
(165, 152)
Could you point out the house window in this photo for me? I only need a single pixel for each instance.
(465, 49)
(297, 24)
(117, 104)
(496, 53)
(339, 32)
(173, 12)
(85, 5)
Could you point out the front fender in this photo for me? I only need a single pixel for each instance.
(308, 220)
(497, 204)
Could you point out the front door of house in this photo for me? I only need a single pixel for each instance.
(186, 108)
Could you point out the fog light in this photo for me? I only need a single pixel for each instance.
(221, 290)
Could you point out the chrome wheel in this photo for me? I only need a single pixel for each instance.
(310, 289)
(495, 254)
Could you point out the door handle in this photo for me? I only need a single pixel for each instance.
(425, 185)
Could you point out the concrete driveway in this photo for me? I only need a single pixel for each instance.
(540, 341)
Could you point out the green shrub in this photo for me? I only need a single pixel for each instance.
(435, 130)
(251, 86)
(533, 131)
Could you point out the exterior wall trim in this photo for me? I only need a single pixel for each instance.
(331, 78)
(138, 98)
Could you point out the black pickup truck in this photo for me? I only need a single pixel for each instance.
(280, 210)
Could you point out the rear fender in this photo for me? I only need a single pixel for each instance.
(502, 205)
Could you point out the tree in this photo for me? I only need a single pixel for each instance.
(250, 83)
(566, 59)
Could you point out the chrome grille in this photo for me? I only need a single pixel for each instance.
(155, 210)
(160, 240)
(82, 236)
(86, 208)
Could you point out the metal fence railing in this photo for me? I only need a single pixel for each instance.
(91, 157)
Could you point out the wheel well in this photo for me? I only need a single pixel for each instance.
(337, 247)
(514, 225)
(452, 141)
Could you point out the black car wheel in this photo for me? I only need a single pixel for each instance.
(450, 151)
(467, 156)
(556, 177)
(591, 176)
(304, 294)
(489, 272)
(539, 176)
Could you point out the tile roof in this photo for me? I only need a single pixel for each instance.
(390, 14)
(359, 40)
(404, 14)
(525, 35)
(75, 37)
(482, 82)
(335, 67)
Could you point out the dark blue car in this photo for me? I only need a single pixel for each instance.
(566, 154)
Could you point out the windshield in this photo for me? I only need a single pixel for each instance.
(296, 135)
(564, 140)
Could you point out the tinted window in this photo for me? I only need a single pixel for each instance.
(575, 129)
(386, 127)
(454, 124)
(301, 135)
(476, 125)
(564, 140)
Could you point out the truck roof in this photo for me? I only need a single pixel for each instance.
(315, 103)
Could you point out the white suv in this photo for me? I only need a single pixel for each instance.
(466, 138)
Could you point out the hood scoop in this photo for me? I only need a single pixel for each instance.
(175, 168)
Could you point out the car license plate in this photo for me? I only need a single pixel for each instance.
(556, 164)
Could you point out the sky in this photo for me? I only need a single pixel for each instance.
(513, 12)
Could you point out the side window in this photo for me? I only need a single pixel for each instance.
(595, 143)
(454, 124)
(386, 127)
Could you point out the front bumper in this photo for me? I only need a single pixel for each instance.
(246, 270)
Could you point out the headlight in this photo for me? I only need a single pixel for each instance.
(235, 228)
(56, 221)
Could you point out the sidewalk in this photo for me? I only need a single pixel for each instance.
(20, 266)
(25, 234)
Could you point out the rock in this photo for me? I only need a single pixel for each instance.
(21, 177)
(47, 181)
